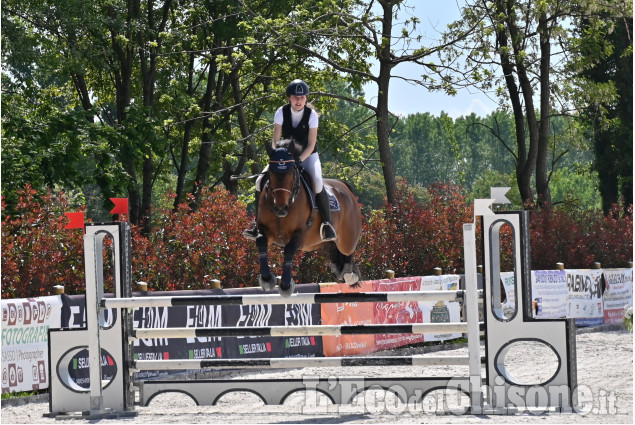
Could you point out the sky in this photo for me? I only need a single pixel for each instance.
(405, 98)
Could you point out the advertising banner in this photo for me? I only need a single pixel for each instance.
(388, 313)
(25, 324)
(508, 282)
(402, 312)
(585, 297)
(209, 316)
(550, 293)
(441, 311)
(352, 313)
(618, 294)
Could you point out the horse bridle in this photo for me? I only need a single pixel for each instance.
(295, 188)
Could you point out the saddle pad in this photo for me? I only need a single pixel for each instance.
(334, 203)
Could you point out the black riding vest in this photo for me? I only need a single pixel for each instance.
(300, 133)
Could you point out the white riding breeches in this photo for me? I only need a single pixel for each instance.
(312, 165)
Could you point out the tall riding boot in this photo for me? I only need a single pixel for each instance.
(327, 231)
(252, 233)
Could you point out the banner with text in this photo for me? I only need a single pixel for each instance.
(550, 294)
(25, 324)
(618, 294)
(585, 297)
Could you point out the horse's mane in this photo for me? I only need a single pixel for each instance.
(290, 145)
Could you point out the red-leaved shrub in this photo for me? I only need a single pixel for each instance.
(187, 249)
(37, 252)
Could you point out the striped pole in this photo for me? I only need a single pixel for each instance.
(299, 362)
(273, 299)
(337, 330)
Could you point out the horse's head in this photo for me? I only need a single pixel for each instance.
(283, 178)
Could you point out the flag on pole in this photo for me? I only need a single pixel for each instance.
(76, 220)
(121, 206)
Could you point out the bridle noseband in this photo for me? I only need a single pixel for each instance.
(295, 188)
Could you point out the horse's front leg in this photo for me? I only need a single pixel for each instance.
(266, 279)
(287, 285)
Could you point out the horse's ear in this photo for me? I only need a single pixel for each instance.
(269, 148)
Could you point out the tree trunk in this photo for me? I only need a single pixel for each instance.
(383, 83)
(542, 179)
(205, 151)
(123, 83)
(524, 165)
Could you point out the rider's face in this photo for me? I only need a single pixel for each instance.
(297, 102)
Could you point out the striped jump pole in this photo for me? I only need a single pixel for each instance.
(275, 299)
(298, 362)
(315, 330)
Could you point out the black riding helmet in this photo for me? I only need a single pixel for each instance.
(297, 88)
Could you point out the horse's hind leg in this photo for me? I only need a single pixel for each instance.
(343, 267)
(350, 271)
(336, 262)
(266, 279)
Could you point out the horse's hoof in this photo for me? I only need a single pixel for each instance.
(286, 293)
(269, 284)
(350, 278)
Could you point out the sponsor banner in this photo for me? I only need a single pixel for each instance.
(388, 313)
(441, 311)
(550, 293)
(25, 324)
(508, 282)
(273, 315)
(352, 313)
(209, 316)
(402, 312)
(585, 297)
(617, 294)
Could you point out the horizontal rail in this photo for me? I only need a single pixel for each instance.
(308, 298)
(296, 362)
(417, 328)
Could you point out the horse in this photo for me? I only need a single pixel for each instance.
(287, 218)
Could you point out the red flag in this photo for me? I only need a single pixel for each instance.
(121, 206)
(76, 220)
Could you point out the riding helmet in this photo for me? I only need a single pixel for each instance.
(297, 88)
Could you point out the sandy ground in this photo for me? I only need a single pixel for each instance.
(605, 378)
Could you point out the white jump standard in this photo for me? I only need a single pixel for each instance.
(109, 343)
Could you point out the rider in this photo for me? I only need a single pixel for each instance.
(299, 121)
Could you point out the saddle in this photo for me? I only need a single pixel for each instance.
(307, 181)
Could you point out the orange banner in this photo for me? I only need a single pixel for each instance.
(348, 314)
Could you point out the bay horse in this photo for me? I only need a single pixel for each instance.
(286, 218)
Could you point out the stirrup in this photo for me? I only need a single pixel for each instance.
(323, 235)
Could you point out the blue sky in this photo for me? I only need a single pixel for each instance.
(407, 98)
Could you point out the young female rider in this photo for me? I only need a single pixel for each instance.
(299, 121)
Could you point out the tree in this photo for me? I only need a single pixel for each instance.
(605, 68)
(345, 36)
(527, 62)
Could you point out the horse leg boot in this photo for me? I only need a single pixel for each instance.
(287, 285)
(327, 231)
(252, 233)
(266, 279)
